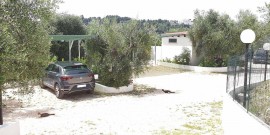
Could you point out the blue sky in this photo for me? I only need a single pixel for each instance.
(156, 9)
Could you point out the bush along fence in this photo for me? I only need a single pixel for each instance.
(257, 90)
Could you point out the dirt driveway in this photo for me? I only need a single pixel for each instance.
(195, 108)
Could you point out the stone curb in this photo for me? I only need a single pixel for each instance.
(105, 89)
(196, 68)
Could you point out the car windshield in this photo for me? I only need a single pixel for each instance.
(76, 69)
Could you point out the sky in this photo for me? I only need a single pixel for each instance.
(156, 9)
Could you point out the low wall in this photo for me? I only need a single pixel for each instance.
(105, 89)
(196, 68)
(10, 129)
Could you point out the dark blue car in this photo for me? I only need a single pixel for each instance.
(68, 77)
(260, 57)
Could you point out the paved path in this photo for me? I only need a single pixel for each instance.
(189, 110)
(191, 85)
(236, 121)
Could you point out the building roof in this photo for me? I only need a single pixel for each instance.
(174, 34)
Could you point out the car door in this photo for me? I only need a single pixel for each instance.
(53, 75)
(46, 79)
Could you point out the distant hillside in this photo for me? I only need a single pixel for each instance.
(162, 26)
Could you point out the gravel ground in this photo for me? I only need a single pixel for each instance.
(195, 108)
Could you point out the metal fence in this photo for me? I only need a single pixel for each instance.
(257, 99)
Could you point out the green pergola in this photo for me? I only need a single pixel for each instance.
(70, 39)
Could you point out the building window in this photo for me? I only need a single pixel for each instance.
(172, 40)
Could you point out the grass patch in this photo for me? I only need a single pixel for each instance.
(192, 126)
(203, 118)
(259, 103)
(177, 132)
(89, 123)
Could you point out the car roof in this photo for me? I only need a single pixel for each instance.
(260, 50)
(67, 63)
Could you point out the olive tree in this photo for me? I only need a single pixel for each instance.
(216, 36)
(24, 41)
(119, 50)
(265, 26)
(211, 34)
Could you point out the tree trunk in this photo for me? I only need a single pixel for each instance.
(195, 59)
(1, 106)
(1, 89)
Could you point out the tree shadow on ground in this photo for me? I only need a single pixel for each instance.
(160, 71)
(15, 109)
(139, 91)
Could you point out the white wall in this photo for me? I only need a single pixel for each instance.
(181, 41)
(169, 52)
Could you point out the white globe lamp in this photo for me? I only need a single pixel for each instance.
(266, 46)
(247, 36)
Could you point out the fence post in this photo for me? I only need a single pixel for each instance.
(234, 79)
(250, 59)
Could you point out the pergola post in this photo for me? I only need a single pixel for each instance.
(79, 49)
(71, 39)
(70, 43)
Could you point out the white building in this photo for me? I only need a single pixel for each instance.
(172, 45)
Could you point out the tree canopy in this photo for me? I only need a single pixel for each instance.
(119, 50)
(215, 36)
(65, 24)
(265, 10)
(24, 41)
(162, 26)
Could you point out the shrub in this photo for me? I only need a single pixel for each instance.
(213, 62)
(53, 59)
(167, 60)
(183, 58)
(81, 60)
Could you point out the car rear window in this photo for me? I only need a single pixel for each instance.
(260, 53)
(76, 69)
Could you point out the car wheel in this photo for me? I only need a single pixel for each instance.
(58, 92)
(41, 84)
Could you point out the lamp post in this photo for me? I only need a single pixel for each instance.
(247, 37)
(266, 47)
(155, 53)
